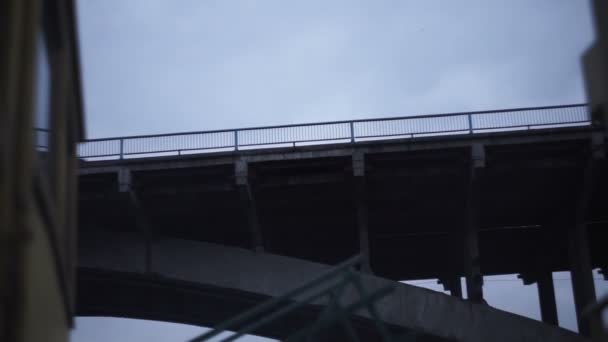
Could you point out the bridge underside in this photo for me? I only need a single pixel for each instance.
(437, 207)
(305, 203)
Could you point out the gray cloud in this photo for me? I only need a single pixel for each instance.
(164, 66)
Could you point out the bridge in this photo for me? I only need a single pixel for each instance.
(194, 227)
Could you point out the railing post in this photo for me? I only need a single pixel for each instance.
(469, 116)
(236, 140)
(121, 148)
(352, 132)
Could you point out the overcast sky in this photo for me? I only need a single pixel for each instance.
(159, 66)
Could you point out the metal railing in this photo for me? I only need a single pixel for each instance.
(336, 132)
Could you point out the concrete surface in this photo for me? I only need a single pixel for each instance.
(272, 275)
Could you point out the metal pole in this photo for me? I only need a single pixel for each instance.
(352, 132)
(121, 148)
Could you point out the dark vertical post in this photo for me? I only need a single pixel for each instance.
(470, 123)
(147, 246)
(125, 185)
(472, 266)
(455, 286)
(241, 170)
(236, 140)
(252, 216)
(546, 297)
(124, 180)
(352, 132)
(451, 283)
(362, 219)
(121, 148)
(358, 160)
(454, 261)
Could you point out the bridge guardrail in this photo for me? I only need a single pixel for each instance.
(336, 131)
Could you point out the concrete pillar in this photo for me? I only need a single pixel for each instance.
(546, 298)
(142, 224)
(451, 280)
(124, 179)
(248, 199)
(546, 293)
(472, 264)
(361, 208)
(452, 284)
(456, 287)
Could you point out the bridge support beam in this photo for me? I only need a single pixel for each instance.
(360, 194)
(456, 287)
(472, 262)
(243, 185)
(451, 280)
(452, 283)
(546, 293)
(124, 180)
(125, 185)
(546, 298)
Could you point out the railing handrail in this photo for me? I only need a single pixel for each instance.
(342, 131)
(424, 116)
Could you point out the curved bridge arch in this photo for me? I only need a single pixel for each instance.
(201, 283)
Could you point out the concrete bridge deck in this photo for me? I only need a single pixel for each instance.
(416, 193)
(528, 202)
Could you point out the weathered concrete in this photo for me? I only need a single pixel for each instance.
(360, 199)
(472, 259)
(272, 275)
(404, 205)
(241, 173)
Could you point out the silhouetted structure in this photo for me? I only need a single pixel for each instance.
(475, 202)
